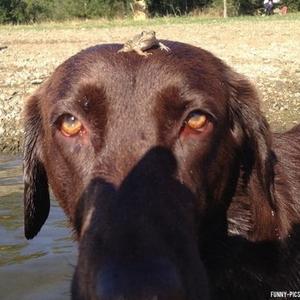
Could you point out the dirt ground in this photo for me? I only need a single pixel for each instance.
(265, 50)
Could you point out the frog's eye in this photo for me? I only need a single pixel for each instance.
(70, 125)
(197, 121)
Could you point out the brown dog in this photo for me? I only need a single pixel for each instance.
(171, 178)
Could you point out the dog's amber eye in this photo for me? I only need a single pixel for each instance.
(70, 125)
(196, 121)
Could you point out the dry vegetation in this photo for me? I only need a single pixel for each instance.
(266, 49)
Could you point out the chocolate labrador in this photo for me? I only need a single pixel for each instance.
(171, 178)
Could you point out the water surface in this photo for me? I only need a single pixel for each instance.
(38, 269)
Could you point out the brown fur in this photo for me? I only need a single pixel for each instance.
(144, 193)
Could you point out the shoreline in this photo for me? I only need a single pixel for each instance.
(266, 52)
(11, 128)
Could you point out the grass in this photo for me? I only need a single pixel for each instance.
(158, 21)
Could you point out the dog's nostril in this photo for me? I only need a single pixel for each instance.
(152, 280)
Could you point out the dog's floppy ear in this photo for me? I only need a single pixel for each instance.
(252, 134)
(36, 194)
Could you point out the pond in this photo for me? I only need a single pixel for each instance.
(36, 269)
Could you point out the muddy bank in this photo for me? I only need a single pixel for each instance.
(11, 132)
(266, 51)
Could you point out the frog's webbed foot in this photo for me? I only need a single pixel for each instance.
(163, 47)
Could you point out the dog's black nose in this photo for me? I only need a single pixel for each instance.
(147, 280)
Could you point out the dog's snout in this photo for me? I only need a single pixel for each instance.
(155, 279)
(152, 163)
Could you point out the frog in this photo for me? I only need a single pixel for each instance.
(143, 42)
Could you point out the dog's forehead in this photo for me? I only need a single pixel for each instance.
(130, 72)
(130, 78)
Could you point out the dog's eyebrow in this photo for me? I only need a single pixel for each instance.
(86, 99)
(176, 101)
(65, 106)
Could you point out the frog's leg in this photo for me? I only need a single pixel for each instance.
(124, 49)
(140, 52)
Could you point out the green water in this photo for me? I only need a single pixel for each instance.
(38, 269)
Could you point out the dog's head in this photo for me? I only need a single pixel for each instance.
(144, 155)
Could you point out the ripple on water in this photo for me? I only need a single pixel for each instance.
(40, 268)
